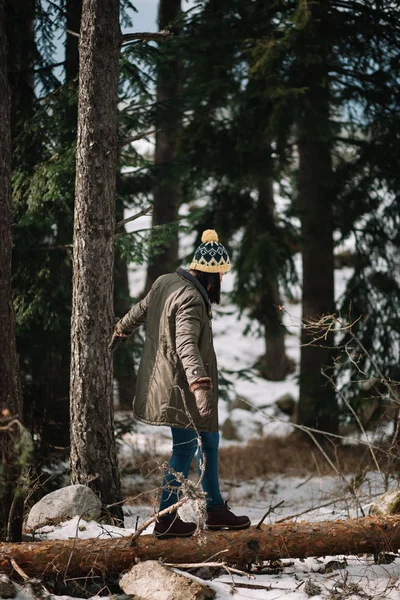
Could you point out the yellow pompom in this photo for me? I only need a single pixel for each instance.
(209, 235)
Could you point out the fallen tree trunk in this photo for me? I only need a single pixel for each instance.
(95, 557)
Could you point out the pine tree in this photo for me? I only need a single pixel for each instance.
(43, 168)
(227, 144)
(167, 195)
(318, 407)
(11, 504)
(341, 70)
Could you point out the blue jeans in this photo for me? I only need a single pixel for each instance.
(184, 446)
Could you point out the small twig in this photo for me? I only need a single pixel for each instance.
(131, 499)
(143, 212)
(20, 571)
(137, 137)
(36, 588)
(269, 511)
(299, 485)
(259, 586)
(9, 426)
(355, 415)
(323, 505)
(73, 33)
(158, 36)
(222, 565)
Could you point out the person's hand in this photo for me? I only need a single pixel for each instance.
(117, 339)
(205, 401)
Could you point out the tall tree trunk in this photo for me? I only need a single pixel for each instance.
(59, 365)
(93, 450)
(166, 196)
(124, 371)
(20, 20)
(10, 389)
(73, 9)
(275, 364)
(317, 403)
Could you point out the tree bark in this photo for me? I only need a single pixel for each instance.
(93, 457)
(275, 364)
(10, 388)
(81, 558)
(317, 406)
(166, 196)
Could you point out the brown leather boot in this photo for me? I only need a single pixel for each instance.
(221, 517)
(170, 526)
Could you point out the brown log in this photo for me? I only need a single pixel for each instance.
(284, 540)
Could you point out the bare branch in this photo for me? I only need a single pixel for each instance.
(73, 33)
(323, 505)
(18, 569)
(35, 587)
(143, 212)
(269, 511)
(158, 36)
(221, 565)
(140, 136)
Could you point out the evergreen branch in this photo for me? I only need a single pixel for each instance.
(134, 217)
(60, 10)
(158, 36)
(47, 67)
(354, 141)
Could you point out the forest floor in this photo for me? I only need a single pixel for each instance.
(306, 497)
(262, 465)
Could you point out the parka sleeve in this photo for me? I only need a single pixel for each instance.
(188, 322)
(134, 318)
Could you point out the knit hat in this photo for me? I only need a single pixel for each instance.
(211, 256)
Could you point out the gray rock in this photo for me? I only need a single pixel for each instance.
(311, 588)
(229, 430)
(241, 402)
(65, 503)
(150, 580)
(7, 587)
(388, 504)
(286, 404)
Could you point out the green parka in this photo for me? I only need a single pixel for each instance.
(178, 350)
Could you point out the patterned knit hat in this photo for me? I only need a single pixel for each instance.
(211, 256)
